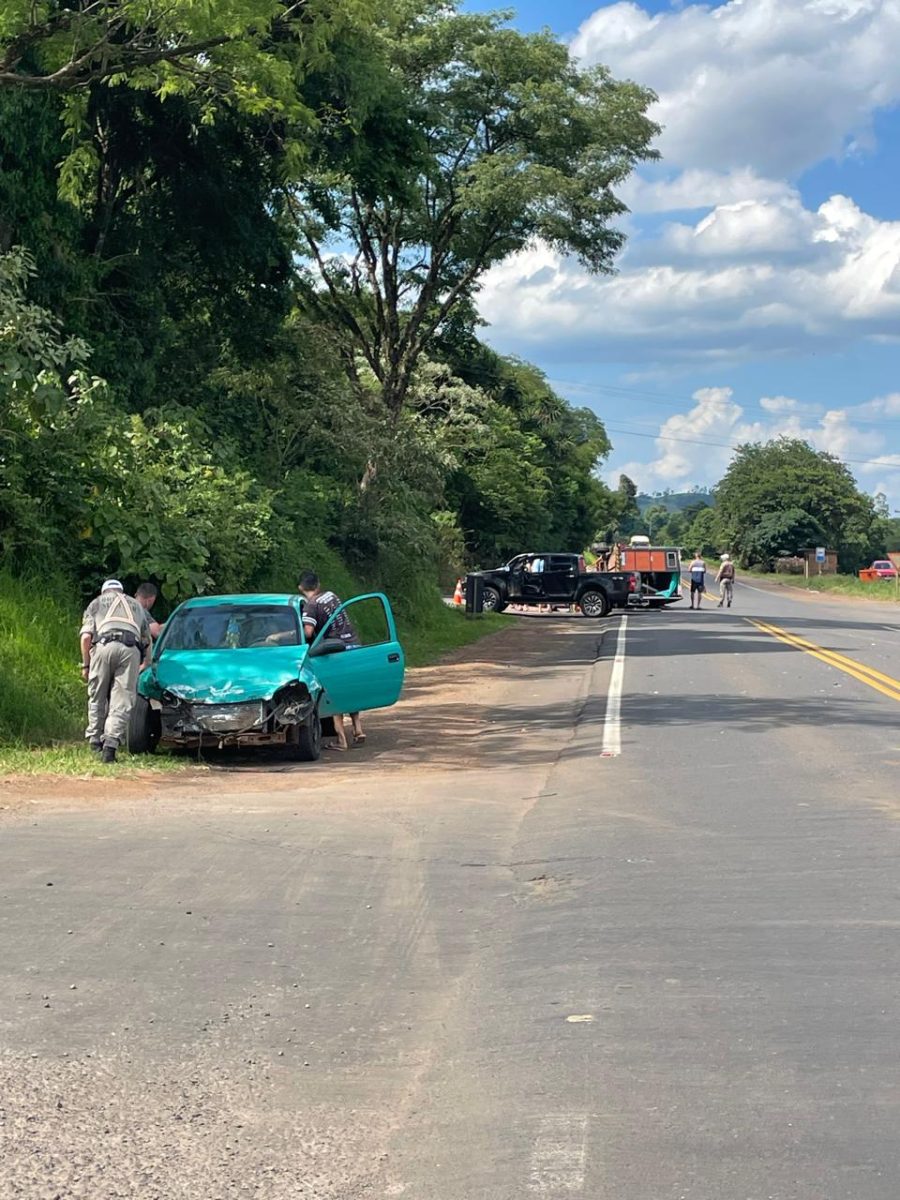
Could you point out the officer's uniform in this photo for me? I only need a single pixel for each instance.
(120, 634)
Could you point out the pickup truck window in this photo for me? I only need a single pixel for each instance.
(562, 562)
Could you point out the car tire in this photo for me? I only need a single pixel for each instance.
(307, 743)
(492, 601)
(144, 728)
(593, 603)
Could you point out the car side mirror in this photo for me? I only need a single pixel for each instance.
(327, 646)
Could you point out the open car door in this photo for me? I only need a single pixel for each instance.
(367, 673)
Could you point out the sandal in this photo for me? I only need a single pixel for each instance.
(358, 739)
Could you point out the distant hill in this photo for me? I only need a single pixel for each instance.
(674, 501)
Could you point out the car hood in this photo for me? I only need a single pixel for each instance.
(227, 676)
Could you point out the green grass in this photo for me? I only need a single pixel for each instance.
(441, 630)
(41, 693)
(43, 700)
(841, 585)
(70, 758)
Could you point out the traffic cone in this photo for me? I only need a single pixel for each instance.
(458, 593)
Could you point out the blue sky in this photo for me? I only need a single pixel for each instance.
(760, 290)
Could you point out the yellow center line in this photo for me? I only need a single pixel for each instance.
(886, 684)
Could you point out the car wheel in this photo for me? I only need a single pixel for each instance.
(594, 603)
(144, 728)
(492, 601)
(307, 743)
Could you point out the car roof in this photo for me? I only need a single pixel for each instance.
(243, 598)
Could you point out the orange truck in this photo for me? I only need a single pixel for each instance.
(659, 568)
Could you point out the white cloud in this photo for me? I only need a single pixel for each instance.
(770, 85)
(778, 404)
(695, 189)
(751, 92)
(748, 279)
(748, 229)
(696, 446)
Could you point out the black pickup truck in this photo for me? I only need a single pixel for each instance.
(557, 579)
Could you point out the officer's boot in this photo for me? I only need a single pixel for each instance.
(109, 753)
(97, 747)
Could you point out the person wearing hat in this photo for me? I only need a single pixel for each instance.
(115, 646)
(725, 580)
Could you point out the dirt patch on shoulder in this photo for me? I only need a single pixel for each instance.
(467, 711)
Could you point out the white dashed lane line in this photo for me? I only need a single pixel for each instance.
(558, 1156)
(612, 726)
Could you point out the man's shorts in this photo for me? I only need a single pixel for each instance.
(697, 587)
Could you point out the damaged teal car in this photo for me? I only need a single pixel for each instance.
(238, 671)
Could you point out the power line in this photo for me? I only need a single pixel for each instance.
(673, 400)
(665, 437)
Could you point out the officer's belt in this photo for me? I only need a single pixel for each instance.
(124, 636)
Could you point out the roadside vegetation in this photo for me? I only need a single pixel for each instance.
(776, 500)
(840, 585)
(240, 246)
(240, 251)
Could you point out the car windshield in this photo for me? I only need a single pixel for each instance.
(232, 627)
(884, 566)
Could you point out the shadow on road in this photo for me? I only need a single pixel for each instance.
(753, 714)
(458, 714)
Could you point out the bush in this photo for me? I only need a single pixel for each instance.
(41, 694)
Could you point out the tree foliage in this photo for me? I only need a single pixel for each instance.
(784, 495)
(487, 139)
(176, 46)
(94, 490)
(781, 534)
(262, 226)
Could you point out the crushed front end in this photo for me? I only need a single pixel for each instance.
(272, 722)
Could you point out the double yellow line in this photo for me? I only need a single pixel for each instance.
(885, 684)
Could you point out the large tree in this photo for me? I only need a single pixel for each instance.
(628, 513)
(463, 141)
(767, 480)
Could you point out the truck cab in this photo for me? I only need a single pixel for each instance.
(556, 578)
(545, 577)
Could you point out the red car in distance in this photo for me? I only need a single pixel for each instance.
(884, 569)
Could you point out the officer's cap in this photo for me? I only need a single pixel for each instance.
(112, 585)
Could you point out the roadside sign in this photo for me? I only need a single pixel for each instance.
(820, 554)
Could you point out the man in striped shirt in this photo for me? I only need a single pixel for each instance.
(318, 614)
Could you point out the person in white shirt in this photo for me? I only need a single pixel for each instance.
(698, 579)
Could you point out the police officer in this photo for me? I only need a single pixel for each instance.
(115, 645)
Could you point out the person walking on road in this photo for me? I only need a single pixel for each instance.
(698, 579)
(115, 645)
(725, 580)
(318, 610)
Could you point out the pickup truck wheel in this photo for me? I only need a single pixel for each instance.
(306, 744)
(144, 728)
(492, 601)
(593, 603)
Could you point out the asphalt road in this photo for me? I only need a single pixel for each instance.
(510, 949)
